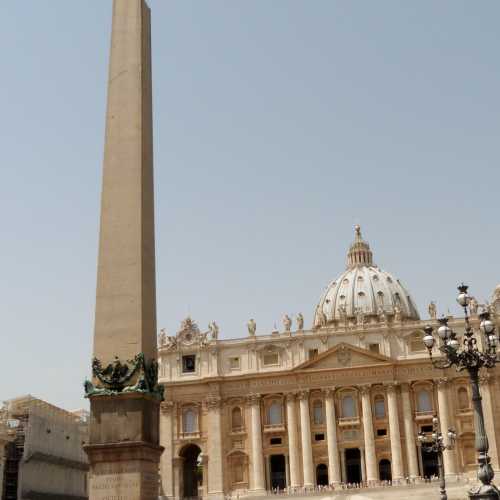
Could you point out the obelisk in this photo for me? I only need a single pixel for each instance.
(124, 394)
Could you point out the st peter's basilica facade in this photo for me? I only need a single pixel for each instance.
(341, 402)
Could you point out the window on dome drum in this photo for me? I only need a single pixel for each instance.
(375, 348)
(274, 414)
(379, 407)
(313, 353)
(271, 359)
(424, 401)
(348, 407)
(463, 399)
(318, 412)
(189, 363)
(236, 418)
(189, 421)
(234, 363)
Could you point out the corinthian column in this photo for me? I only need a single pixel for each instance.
(293, 442)
(449, 456)
(411, 448)
(305, 426)
(489, 419)
(370, 455)
(395, 435)
(166, 461)
(331, 434)
(215, 459)
(257, 480)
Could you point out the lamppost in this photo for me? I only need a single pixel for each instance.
(436, 445)
(469, 357)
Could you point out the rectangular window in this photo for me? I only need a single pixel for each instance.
(275, 441)
(374, 348)
(319, 437)
(271, 359)
(189, 363)
(381, 432)
(313, 353)
(234, 363)
(426, 428)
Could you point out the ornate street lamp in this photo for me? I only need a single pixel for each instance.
(435, 444)
(469, 357)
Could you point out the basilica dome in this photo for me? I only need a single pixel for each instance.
(364, 290)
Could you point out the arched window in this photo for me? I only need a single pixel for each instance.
(318, 412)
(274, 416)
(348, 407)
(236, 418)
(463, 398)
(189, 421)
(424, 401)
(379, 407)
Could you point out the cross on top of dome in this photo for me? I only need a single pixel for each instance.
(359, 252)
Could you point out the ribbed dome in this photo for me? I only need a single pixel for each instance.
(364, 290)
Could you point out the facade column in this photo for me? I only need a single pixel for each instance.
(214, 445)
(257, 479)
(489, 419)
(305, 426)
(177, 464)
(411, 448)
(293, 442)
(370, 455)
(167, 440)
(334, 476)
(394, 433)
(363, 465)
(449, 456)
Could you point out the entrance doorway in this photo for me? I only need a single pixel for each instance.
(322, 475)
(192, 473)
(353, 465)
(429, 464)
(384, 470)
(277, 467)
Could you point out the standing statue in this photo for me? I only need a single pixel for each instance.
(213, 329)
(252, 327)
(381, 315)
(162, 337)
(300, 321)
(432, 310)
(287, 323)
(397, 313)
(473, 305)
(360, 316)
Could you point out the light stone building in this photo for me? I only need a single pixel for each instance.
(340, 402)
(41, 454)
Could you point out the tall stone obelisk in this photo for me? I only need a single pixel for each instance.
(124, 393)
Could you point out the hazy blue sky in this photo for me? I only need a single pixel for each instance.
(278, 126)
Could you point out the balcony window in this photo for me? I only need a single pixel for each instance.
(236, 419)
(424, 402)
(379, 407)
(274, 414)
(318, 413)
(189, 421)
(348, 407)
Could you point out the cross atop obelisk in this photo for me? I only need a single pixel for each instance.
(124, 393)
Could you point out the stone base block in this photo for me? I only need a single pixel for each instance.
(123, 471)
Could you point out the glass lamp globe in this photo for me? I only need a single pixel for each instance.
(428, 340)
(453, 343)
(487, 326)
(493, 339)
(444, 332)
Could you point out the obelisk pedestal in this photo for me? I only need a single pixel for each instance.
(124, 393)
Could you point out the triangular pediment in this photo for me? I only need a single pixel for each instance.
(344, 356)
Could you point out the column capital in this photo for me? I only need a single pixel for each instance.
(303, 395)
(253, 399)
(390, 386)
(328, 392)
(441, 382)
(167, 407)
(405, 386)
(290, 396)
(213, 402)
(365, 389)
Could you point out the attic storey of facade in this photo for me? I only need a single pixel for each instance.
(342, 401)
